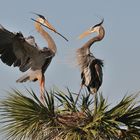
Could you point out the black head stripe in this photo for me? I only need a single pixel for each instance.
(41, 16)
(99, 23)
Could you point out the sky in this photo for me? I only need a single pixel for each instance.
(120, 48)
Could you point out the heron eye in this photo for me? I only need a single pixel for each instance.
(41, 20)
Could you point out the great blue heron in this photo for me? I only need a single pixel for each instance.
(91, 67)
(24, 53)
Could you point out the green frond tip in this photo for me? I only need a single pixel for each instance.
(26, 116)
(61, 117)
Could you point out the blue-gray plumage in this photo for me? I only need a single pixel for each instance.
(91, 67)
(24, 53)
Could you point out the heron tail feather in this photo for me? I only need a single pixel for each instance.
(22, 79)
(92, 90)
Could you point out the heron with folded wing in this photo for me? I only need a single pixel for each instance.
(91, 67)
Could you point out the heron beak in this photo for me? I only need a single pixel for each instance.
(46, 23)
(49, 26)
(84, 34)
(91, 30)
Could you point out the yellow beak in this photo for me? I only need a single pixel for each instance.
(84, 34)
(46, 22)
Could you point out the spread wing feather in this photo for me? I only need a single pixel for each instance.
(15, 50)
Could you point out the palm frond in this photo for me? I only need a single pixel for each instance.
(86, 102)
(66, 99)
(26, 117)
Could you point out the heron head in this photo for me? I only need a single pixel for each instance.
(95, 29)
(41, 20)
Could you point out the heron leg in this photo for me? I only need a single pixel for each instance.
(42, 88)
(78, 94)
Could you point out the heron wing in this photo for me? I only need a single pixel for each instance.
(92, 75)
(5, 43)
(99, 72)
(15, 50)
(48, 55)
(96, 72)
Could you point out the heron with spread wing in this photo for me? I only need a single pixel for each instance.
(22, 52)
(91, 67)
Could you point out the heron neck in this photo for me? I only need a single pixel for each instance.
(47, 37)
(99, 37)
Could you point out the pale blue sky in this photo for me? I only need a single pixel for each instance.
(120, 49)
